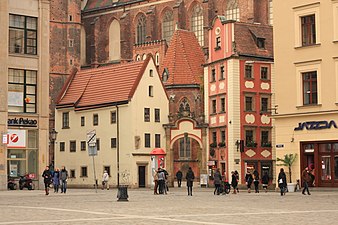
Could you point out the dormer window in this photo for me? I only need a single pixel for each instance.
(261, 43)
(165, 75)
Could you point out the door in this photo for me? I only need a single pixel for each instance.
(141, 176)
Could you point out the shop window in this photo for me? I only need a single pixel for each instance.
(167, 26)
(157, 115)
(157, 140)
(113, 117)
(84, 171)
(72, 146)
(71, 173)
(197, 23)
(147, 140)
(62, 146)
(248, 71)
(264, 73)
(95, 119)
(141, 29)
(113, 142)
(308, 26)
(185, 147)
(83, 145)
(310, 94)
(65, 120)
(22, 89)
(22, 34)
(146, 114)
(82, 121)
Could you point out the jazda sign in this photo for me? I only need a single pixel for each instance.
(316, 125)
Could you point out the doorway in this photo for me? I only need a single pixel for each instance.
(141, 176)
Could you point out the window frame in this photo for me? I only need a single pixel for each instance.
(213, 75)
(247, 71)
(62, 146)
(222, 105)
(247, 104)
(113, 142)
(82, 121)
(310, 82)
(167, 25)
(147, 140)
(308, 30)
(151, 91)
(146, 114)
(157, 140)
(113, 117)
(65, 120)
(221, 74)
(157, 115)
(72, 146)
(197, 23)
(83, 145)
(264, 73)
(84, 171)
(95, 119)
(141, 29)
(184, 146)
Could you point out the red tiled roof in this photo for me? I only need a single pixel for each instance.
(102, 86)
(245, 34)
(184, 59)
(93, 4)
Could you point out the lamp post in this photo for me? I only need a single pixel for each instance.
(52, 137)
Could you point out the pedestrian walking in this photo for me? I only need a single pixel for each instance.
(234, 182)
(237, 176)
(282, 182)
(256, 180)
(265, 181)
(179, 176)
(105, 179)
(156, 182)
(306, 179)
(56, 180)
(47, 177)
(166, 181)
(190, 176)
(63, 179)
(217, 181)
(248, 180)
(161, 181)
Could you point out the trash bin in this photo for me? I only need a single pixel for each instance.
(122, 193)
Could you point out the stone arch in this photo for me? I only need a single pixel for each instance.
(114, 41)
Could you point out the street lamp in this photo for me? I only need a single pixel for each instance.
(52, 137)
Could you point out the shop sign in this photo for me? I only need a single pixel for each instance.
(22, 122)
(5, 139)
(16, 139)
(316, 125)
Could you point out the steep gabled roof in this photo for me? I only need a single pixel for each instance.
(246, 36)
(184, 59)
(103, 86)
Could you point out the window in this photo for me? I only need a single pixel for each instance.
(264, 73)
(95, 119)
(22, 34)
(214, 137)
(71, 43)
(83, 145)
(151, 91)
(223, 136)
(167, 26)
(147, 140)
(157, 115)
(62, 146)
(308, 25)
(72, 146)
(265, 140)
(141, 29)
(65, 120)
(221, 73)
(82, 121)
(157, 140)
(107, 168)
(151, 73)
(248, 71)
(264, 104)
(213, 106)
(249, 138)
(261, 43)
(113, 117)
(146, 114)
(98, 144)
(22, 91)
(71, 173)
(184, 106)
(213, 75)
(113, 142)
(197, 23)
(84, 171)
(248, 103)
(310, 94)
(222, 104)
(270, 12)
(232, 10)
(70, 18)
(185, 147)
(218, 43)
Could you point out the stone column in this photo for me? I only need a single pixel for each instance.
(204, 150)
(4, 16)
(169, 161)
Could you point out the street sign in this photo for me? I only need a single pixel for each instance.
(91, 138)
(92, 150)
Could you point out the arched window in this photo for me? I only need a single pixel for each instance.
(157, 59)
(185, 147)
(197, 23)
(138, 57)
(167, 26)
(141, 29)
(114, 41)
(83, 59)
(184, 106)
(232, 11)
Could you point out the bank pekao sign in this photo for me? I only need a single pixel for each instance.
(316, 125)
(22, 122)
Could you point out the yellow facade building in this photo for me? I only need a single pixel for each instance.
(306, 86)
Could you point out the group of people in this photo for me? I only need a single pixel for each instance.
(161, 181)
(57, 178)
(255, 179)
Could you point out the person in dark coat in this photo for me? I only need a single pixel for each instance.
(63, 179)
(190, 180)
(179, 176)
(217, 181)
(256, 180)
(237, 176)
(306, 180)
(234, 182)
(248, 180)
(56, 180)
(265, 181)
(47, 177)
(282, 182)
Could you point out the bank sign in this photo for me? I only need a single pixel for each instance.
(16, 139)
(316, 125)
(22, 122)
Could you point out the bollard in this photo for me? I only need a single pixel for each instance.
(122, 193)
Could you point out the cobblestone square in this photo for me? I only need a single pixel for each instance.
(84, 206)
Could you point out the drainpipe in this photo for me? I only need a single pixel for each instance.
(118, 145)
